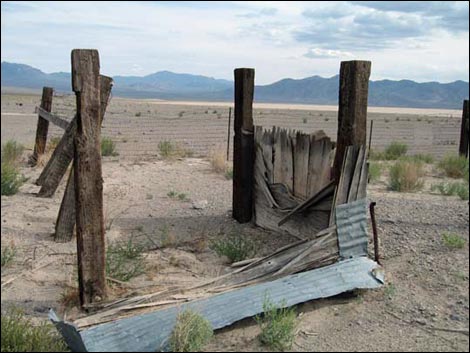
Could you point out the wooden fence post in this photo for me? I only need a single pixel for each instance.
(464, 130)
(243, 146)
(43, 126)
(352, 114)
(91, 248)
(66, 219)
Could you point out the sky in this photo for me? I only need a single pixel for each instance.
(417, 40)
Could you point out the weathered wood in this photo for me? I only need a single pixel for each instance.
(277, 156)
(301, 165)
(287, 160)
(66, 219)
(243, 146)
(228, 132)
(353, 189)
(352, 114)
(52, 118)
(42, 127)
(464, 130)
(91, 247)
(319, 168)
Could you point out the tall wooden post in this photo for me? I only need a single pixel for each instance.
(243, 146)
(43, 126)
(66, 219)
(464, 131)
(352, 114)
(88, 178)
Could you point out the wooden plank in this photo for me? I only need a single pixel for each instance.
(464, 130)
(301, 165)
(287, 162)
(277, 156)
(314, 165)
(354, 188)
(55, 119)
(42, 127)
(243, 147)
(65, 224)
(325, 192)
(267, 146)
(91, 246)
(352, 114)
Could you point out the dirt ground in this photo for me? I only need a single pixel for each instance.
(427, 284)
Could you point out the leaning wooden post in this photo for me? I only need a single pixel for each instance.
(352, 114)
(243, 146)
(66, 219)
(464, 131)
(43, 126)
(88, 179)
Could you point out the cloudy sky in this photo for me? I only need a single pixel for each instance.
(422, 41)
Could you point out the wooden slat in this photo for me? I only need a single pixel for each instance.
(301, 165)
(55, 119)
(91, 246)
(353, 190)
(277, 156)
(287, 163)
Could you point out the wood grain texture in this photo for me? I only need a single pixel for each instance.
(91, 247)
(464, 130)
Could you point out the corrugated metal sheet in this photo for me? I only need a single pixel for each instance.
(149, 332)
(351, 222)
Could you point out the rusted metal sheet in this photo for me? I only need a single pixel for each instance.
(150, 332)
(351, 223)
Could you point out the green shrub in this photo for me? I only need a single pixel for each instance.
(12, 152)
(169, 149)
(8, 255)
(395, 150)
(277, 326)
(138, 114)
(20, 335)
(453, 241)
(375, 171)
(108, 147)
(124, 260)
(235, 247)
(229, 173)
(452, 189)
(406, 176)
(191, 332)
(11, 179)
(454, 166)
(425, 158)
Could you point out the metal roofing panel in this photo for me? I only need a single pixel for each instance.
(351, 222)
(150, 332)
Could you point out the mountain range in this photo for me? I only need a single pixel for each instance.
(310, 90)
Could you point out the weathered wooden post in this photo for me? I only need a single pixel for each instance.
(352, 114)
(88, 179)
(43, 126)
(464, 131)
(66, 219)
(243, 146)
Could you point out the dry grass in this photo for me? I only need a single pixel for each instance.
(70, 297)
(405, 176)
(191, 332)
(219, 163)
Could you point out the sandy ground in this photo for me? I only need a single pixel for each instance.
(427, 283)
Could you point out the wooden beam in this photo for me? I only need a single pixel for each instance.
(352, 114)
(91, 247)
(464, 130)
(42, 127)
(52, 118)
(243, 146)
(66, 219)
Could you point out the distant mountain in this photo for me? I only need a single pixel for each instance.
(310, 90)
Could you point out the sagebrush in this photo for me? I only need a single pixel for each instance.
(108, 147)
(191, 332)
(125, 260)
(406, 176)
(454, 166)
(235, 247)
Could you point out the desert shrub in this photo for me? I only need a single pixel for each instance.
(229, 173)
(20, 335)
(138, 114)
(305, 120)
(452, 189)
(235, 247)
(169, 149)
(395, 150)
(406, 176)
(277, 326)
(375, 171)
(8, 255)
(11, 179)
(454, 166)
(191, 332)
(70, 297)
(12, 152)
(125, 260)
(425, 158)
(108, 147)
(453, 241)
(218, 162)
